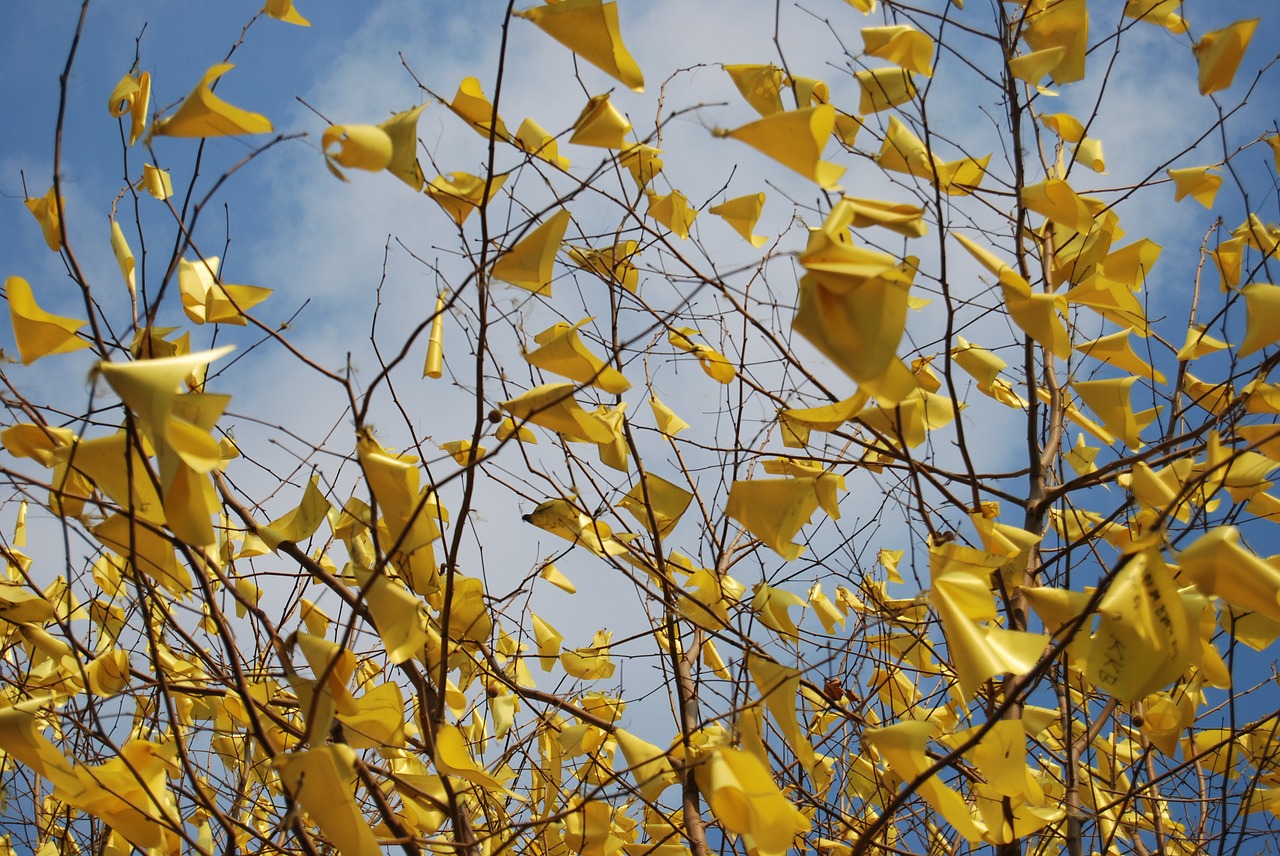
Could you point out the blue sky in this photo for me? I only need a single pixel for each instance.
(285, 216)
(288, 225)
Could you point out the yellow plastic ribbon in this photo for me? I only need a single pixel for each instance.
(556, 577)
(774, 510)
(564, 353)
(548, 640)
(592, 663)
(795, 139)
(902, 746)
(797, 423)
(552, 406)
(561, 517)
(642, 162)
(1262, 313)
(1220, 566)
(1033, 66)
(178, 428)
(1055, 199)
(1115, 350)
(476, 110)
(668, 422)
(366, 147)
(1143, 641)
(323, 781)
(648, 764)
(903, 151)
(672, 211)
(600, 124)
(713, 363)
(146, 551)
(206, 301)
(612, 264)
(1038, 315)
(460, 193)
(123, 256)
(433, 366)
(901, 45)
(853, 305)
(132, 95)
(1089, 153)
(1199, 343)
(906, 220)
(534, 139)
(1218, 54)
(1109, 400)
(1162, 13)
(589, 28)
(883, 88)
(742, 213)
(743, 796)
(299, 524)
(46, 210)
(910, 419)
(530, 263)
(156, 181)
(656, 502)
(392, 145)
(204, 114)
(1062, 24)
(760, 85)
(1196, 182)
(1066, 126)
(39, 333)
